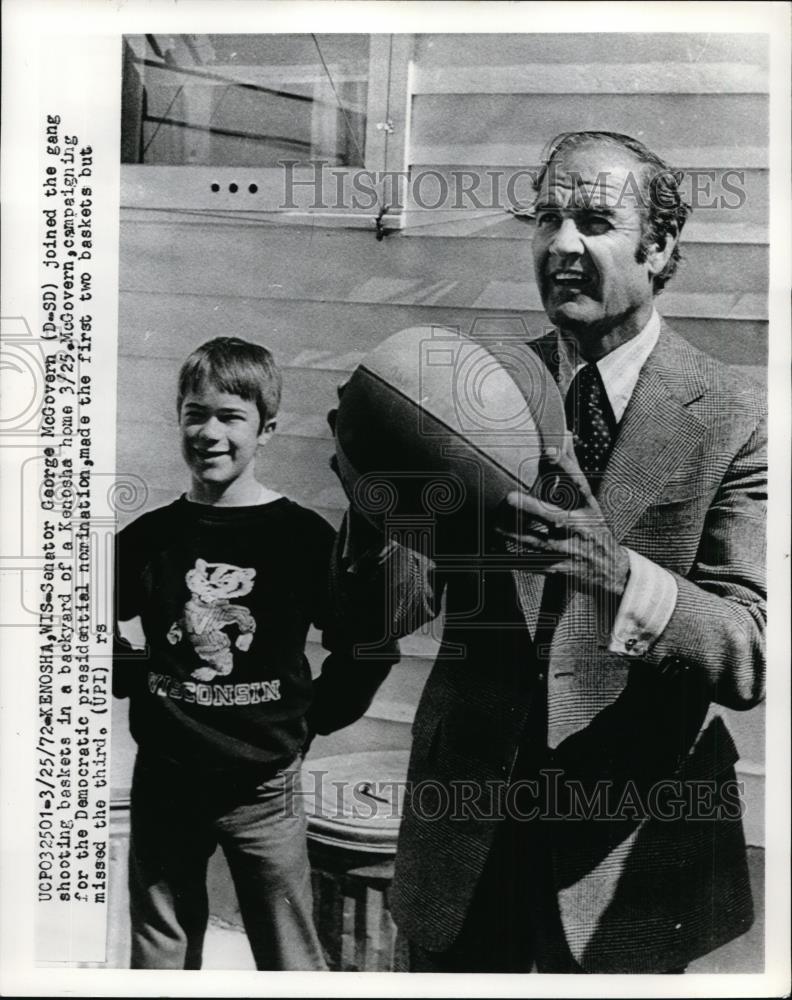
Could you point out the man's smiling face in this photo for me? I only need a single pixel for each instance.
(586, 245)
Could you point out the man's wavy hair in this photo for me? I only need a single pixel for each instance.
(663, 211)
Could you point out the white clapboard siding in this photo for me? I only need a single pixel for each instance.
(743, 342)
(506, 150)
(484, 107)
(480, 51)
(671, 124)
(277, 262)
(333, 294)
(594, 78)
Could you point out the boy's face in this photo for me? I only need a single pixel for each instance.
(220, 433)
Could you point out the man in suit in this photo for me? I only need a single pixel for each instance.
(571, 802)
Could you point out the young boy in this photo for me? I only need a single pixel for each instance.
(225, 582)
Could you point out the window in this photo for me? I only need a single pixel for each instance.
(261, 122)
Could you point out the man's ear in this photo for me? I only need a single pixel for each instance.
(267, 430)
(658, 256)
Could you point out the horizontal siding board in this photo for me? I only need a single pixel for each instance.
(291, 263)
(711, 224)
(462, 148)
(524, 297)
(594, 78)
(499, 49)
(164, 328)
(352, 268)
(662, 121)
(151, 326)
(492, 224)
(313, 425)
(520, 294)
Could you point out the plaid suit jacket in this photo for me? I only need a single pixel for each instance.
(645, 890)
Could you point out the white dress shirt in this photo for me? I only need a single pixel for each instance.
(650, 596)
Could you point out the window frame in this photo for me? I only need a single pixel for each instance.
(345, 193)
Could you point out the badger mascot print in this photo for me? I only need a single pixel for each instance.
(210, 621)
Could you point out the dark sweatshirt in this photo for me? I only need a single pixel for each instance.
(226, 596)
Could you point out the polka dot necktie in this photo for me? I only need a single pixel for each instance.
(591, 420)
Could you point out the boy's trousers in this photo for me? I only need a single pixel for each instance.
(178, 817)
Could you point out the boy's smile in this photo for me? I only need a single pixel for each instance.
(220, 433)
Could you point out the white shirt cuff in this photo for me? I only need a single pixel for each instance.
(646, 606)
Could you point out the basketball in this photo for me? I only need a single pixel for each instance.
(437, 426)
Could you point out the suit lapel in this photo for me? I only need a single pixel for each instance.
(656, 433)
